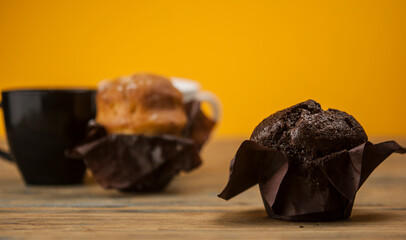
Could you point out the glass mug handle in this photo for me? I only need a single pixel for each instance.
(4, 154)
(213, 101)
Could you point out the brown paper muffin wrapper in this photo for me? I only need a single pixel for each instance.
(143, 163)
(289, 195)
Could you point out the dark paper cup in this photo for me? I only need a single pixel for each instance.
(328, 195)
(143, 163)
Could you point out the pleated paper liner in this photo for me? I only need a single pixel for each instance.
(143, 163)
(327, 195)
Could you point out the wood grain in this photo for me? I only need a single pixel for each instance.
(190, 209)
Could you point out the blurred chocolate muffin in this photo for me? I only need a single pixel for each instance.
(306, 132)
(140, 104)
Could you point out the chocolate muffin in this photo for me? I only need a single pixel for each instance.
(308, 163)
(305, 132)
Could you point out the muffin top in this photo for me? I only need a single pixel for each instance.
(306, 132)
(140, 104)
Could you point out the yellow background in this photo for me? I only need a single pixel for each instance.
(257, 56)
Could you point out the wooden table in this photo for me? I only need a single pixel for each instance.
(190, 209)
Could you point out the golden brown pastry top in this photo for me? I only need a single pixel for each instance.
(140, 104)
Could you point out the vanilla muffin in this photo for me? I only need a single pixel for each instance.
(140, 104)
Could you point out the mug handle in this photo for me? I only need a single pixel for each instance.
(213, 101)
(4, 154)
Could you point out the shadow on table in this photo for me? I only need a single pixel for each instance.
(367, 215)
(259, 218)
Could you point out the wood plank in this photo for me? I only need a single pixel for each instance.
(190, 209)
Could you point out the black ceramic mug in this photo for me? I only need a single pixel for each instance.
(40, 125)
